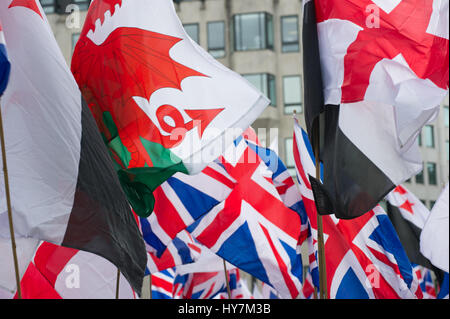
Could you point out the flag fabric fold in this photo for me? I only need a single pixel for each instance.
(5, 66)
(370, 93)
(364, 256)
(58, 272)
(64, 188)
(408, 215)
(162, 104)
(253, 228)
(434, 237)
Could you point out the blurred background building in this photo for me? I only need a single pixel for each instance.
(261, 40)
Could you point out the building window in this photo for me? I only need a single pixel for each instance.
(216, 39)
(419, 139)
(429, 136)
(432, 174)
(49, 6)
(253, 31)
(193, 31)
(446, 117)
(75, 37)
(83, 4)
(420, 178)
(292, 94)
(265, 83)
(289, 34)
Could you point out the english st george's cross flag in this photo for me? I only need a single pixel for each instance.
(408, 215)
(163, 105)
(58, 272)
(364, 256)
(253, 229)
(64, 188)
(377, 71)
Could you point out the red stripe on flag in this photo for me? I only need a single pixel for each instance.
(161, 283)
(166, 214)
(218, 176)
(299, 165)
(51, 259)
(283, 268)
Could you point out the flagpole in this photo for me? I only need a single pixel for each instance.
(8, 205)
(321, 247)
(226, 278)
(117, 283)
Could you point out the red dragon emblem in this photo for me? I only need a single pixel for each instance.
(130, 63)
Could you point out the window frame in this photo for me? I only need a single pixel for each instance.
(198, 30)
(224, 39)
(435, 173)
(268, 41)
(433, 140)
(284, 94)
(282, 34)
(269, 77)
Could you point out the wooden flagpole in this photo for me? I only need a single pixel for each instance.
(321, 247)
(8, 205)
(117, 283)
(226, 278)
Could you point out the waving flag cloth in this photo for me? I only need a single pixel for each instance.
(425, 281)
(265, 292)
(435, 236)
(408, 215)
(443, 289)
(183, 250)
(375, 89)
(5, 66)
(64, 273)
(162, 104)
(64, 188)
(253, 229)
(162, 284)
(25, 248)
(365, 258)
(238, 288)
(181, 200)
(205, 285)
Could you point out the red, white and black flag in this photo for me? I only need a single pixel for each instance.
(64, 188)
(382, 74)
(408, 215)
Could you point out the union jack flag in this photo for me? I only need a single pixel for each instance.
(180, 201)
(308, 286)
(426, 281)
(183, 249)
(364, 256)
(238, 291)
(162, 284)
(444, 288)
(253, 229)
(205, 285)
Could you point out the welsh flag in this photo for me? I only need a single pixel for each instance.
(163, 105)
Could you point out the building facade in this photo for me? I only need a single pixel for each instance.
(261, 39)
